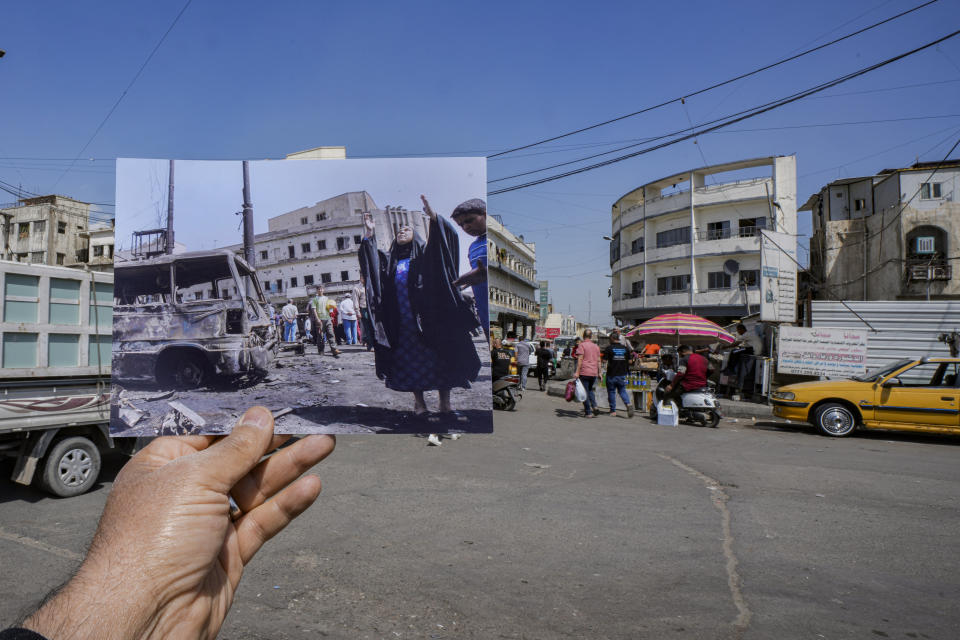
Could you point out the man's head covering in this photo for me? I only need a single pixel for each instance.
(474, 205)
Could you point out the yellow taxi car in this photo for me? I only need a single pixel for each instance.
(909, 395)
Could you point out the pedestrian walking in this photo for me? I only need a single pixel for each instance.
(289, 313)
(348, 315)
(618, 357)
(544, 356)
(422, 323)
(522, 349)
(320, 307)
(588, 368)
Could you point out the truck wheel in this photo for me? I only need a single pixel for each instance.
(71, 467)
(189, 371)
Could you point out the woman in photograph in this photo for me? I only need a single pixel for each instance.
(421, 323)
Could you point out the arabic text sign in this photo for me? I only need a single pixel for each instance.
(822, 351)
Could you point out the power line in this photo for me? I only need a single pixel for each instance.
(757, 111)
(124, 94)
(717, 85)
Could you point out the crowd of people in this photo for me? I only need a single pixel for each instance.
(345, 316)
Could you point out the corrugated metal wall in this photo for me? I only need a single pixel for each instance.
(905, 329)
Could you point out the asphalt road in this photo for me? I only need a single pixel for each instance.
(557, 526)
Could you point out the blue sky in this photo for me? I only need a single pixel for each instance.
(258, 80)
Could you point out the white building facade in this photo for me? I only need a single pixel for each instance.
(318, 245)
(680, 244)
(512, 280)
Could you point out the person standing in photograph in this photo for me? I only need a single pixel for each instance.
(319, 307)
(588, 368)
(360, 302)
(421, 322)
(307, 326)
(617, 356)
(472, 218)
(348, 317)
(289, 313)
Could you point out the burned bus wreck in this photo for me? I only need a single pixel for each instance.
(183, 319)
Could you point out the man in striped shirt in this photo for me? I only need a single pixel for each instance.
(472, 218)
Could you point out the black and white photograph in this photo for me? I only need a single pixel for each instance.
(346, 296)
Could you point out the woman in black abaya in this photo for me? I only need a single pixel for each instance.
(421, 322)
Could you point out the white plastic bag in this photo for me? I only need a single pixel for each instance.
(581, 392)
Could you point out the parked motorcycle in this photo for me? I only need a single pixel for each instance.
(506, 392)
(699, 406)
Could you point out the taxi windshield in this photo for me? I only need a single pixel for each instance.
(875, 374)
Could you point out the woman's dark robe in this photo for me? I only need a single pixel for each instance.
(444, 318)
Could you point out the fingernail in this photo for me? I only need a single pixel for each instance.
(258, 417)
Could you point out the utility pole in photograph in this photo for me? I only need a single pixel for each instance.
(169, 247)
(248, 250)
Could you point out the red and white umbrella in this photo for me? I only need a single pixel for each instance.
(680, 328)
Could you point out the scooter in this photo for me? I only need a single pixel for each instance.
(699, 406)
(506, 392)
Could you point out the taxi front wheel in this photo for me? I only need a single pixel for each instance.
(834, 419)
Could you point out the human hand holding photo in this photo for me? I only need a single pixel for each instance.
(168, 555)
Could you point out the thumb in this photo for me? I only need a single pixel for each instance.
(234, 456)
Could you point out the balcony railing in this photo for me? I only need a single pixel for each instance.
(722, 234)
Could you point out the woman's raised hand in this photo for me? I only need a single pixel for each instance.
(427, 209)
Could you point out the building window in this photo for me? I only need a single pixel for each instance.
(303, 220)
(357, 239)
(305, 247)
(23, 230)
(750, 278)
(321, 216)
(358, 212)
(321, 245)
(36, 257)
(225, 294)
(263, 255)
(344, 276)
(718, 230)
(198, 295)
(341, 244)
(97, 250)
(307, 280)
(279, 285)
(636, 289)
(61, 227)
(930, 190)
(750, 227)
(325, 278)
(673, 237)
(636, 246)
(718, 280)
(290, 253)
(39, 226)
(859, 204)
(61, 257)
(672, 284)
(924, 245)
(293, 281)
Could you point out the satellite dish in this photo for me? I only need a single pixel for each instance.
(731, 267)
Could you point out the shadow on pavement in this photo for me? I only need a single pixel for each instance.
(865, 435)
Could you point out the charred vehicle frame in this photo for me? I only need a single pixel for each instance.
(161, 335)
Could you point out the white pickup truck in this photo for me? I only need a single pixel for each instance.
(55, 343)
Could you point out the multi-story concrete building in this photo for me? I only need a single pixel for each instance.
(45, 230)
(318, 244)
(512, 278)
(892, 236)
(681, 244)
(98, 253)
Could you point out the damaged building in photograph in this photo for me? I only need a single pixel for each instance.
(318, 244)
(895, 235)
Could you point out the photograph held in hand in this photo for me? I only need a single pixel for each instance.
(339, 315)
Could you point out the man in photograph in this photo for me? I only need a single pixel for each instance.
(289, 313)
(320, 319)
(471, 215)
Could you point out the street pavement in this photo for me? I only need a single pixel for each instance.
(557, 526)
